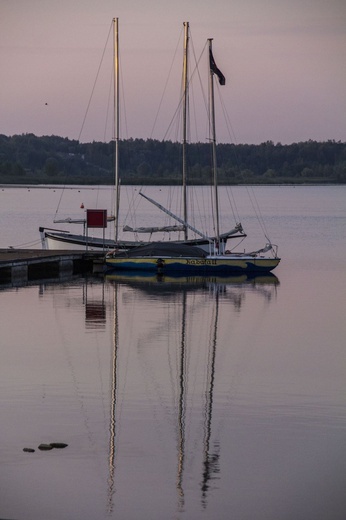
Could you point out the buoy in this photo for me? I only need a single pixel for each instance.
(82, 205)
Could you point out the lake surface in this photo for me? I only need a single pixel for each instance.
(179, 399)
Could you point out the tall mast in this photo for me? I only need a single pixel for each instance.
(185, 110)
(116, 125)
(213, 140)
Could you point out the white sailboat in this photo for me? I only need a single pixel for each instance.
(182, 258)
(62, 239)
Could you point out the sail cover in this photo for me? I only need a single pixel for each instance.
(158, 249)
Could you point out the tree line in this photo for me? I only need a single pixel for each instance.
(30, 159)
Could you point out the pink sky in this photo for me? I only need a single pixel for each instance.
(284, 62)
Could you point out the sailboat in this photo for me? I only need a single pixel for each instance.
(62, 239)
(187, 259)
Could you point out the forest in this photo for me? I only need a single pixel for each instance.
(29, 159)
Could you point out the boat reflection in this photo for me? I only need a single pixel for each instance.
(195, 302)
(157, 284)
(145, 277)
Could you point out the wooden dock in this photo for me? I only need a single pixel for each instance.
(19, 266)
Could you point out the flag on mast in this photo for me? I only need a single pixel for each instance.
(215, 70)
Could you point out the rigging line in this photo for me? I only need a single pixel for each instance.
(249, 189)
(229, 191)
(26, 244)
(94, 85)
(173, 119)
(108, 105)
(166, 84)
(229, 126)
(199, 210)
(195, 71)
(257, 210)
(132, 205)
(232, 203)
(122, 91)
(87, 109)
(190, 85)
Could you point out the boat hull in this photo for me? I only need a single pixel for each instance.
(205, 266)
(59, 240)
(66, 241)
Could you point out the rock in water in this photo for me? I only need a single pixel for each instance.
(45, 447)
(58, 445)
(29, 450)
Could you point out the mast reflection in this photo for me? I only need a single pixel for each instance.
(211, 466)
(182, 294)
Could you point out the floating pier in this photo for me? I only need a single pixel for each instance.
(19, 266)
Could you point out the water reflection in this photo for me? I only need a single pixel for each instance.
(140, 377)
(95, 307)
(184, 298)
(160, 284)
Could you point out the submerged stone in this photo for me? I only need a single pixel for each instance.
(58, 445)
(45, 447)
(29, 450)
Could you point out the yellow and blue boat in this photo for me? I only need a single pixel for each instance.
(160, 257)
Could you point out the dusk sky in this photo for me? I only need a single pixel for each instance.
(284, 63)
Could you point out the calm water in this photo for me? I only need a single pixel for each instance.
(212, 399)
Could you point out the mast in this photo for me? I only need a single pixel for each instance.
(185, 110)
(116, 125)
(213, 140)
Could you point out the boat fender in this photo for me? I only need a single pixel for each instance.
(160, 263)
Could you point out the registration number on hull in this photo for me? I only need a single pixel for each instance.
(201, 262)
